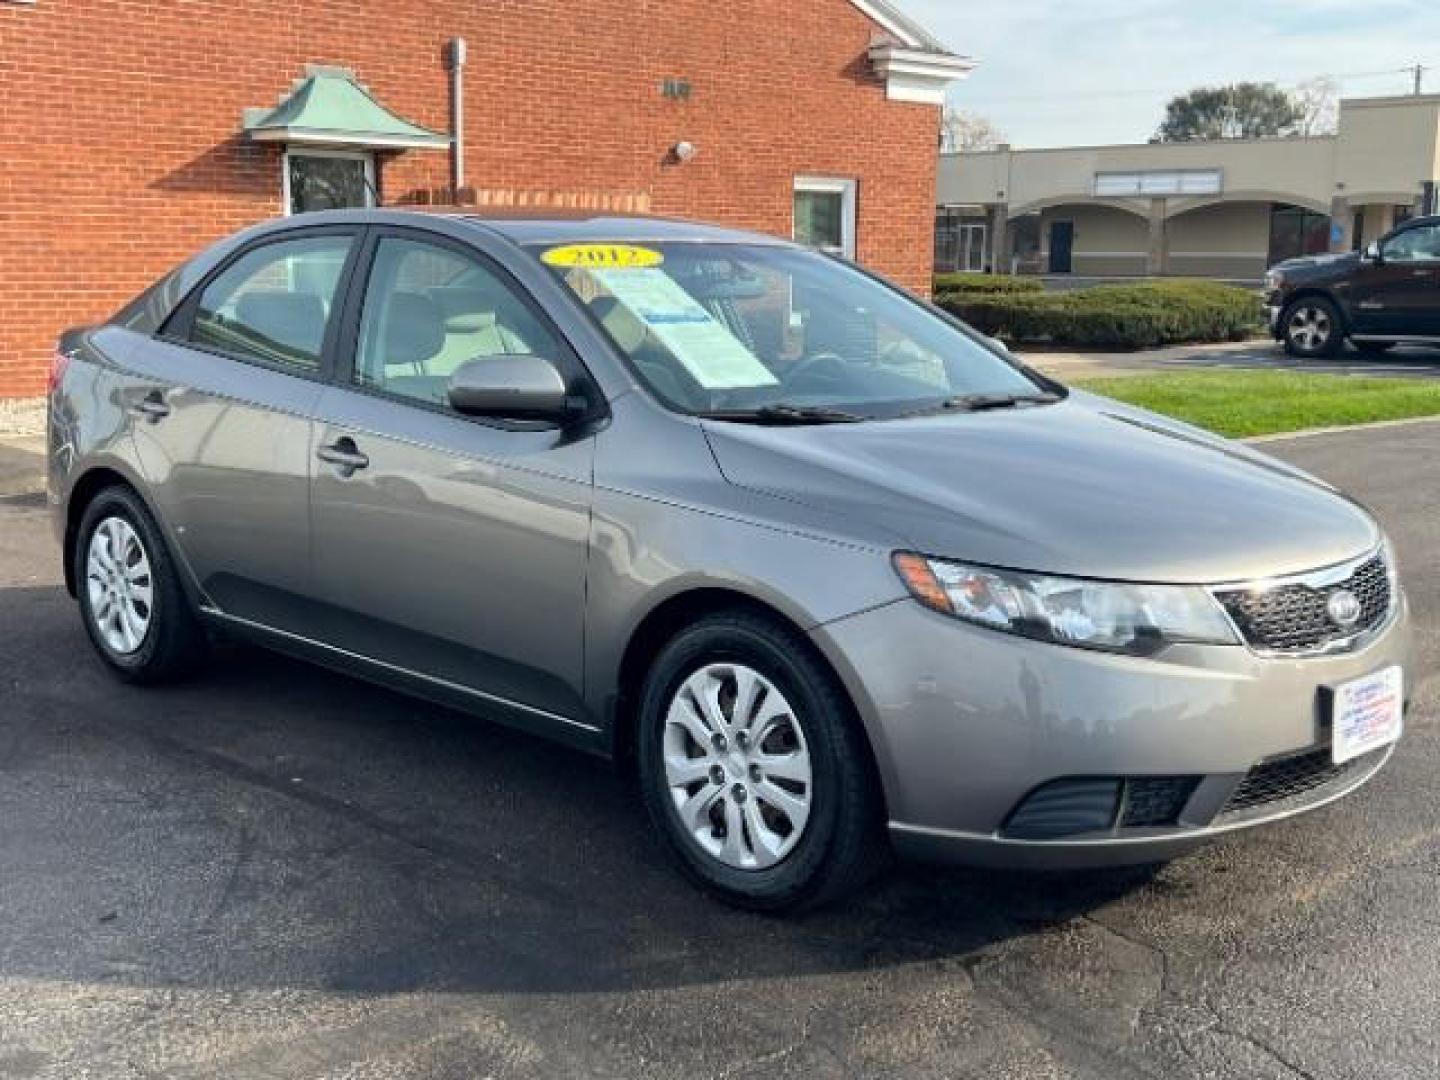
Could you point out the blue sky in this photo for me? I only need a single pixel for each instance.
(1058, 72)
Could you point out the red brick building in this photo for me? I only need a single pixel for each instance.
(133, 132)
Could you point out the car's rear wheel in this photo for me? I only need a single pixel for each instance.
(1312, 328)
(754, 769)
(131, 600)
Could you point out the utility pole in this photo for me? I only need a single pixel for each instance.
(1419, 79)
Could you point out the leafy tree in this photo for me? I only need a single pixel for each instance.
(960, 130)
(1239, 111)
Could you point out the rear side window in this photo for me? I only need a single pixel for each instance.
(273, 304)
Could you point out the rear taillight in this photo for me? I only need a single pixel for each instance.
(58, 363)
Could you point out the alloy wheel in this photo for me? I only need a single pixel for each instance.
(737, 766)
(1310, 327)
(119, 585)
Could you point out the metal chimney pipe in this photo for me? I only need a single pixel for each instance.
(455, 60)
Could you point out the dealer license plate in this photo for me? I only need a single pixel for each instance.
(1367, 713)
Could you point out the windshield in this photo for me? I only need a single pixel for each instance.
(719, 329)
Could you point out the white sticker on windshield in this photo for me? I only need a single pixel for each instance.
(710, 352)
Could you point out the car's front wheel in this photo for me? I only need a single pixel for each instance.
(134, 608)
(1312, 328)
(754, 769)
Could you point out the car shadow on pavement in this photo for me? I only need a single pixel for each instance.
(272, 825)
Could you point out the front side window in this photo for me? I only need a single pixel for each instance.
(1415, 245)
(726, 328)
(273, 304)
(429, 309)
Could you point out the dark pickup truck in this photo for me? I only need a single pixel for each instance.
(1387, 295)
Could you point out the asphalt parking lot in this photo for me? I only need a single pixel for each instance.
(277, 872)
(1406, 362)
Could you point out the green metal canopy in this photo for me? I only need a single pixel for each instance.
(329, 108)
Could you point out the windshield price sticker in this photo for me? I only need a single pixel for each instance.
(710, 352)
(602, 257)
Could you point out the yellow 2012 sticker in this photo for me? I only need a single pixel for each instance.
(603, 257)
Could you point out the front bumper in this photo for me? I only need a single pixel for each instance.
(966, 722)
(1272, 319)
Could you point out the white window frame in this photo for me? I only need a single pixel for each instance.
(367, 156)
(847, 188)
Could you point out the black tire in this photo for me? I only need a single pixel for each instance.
(843, 842)
(1373, 348)
(174, 642)
(1312, 327)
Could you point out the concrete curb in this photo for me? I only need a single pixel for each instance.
(1374, 425)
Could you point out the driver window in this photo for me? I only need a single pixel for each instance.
(1415, 245)
(429, 309)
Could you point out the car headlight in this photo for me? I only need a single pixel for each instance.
(1274, 280)
(1139, 620)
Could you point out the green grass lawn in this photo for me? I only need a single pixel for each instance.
(1240, 403)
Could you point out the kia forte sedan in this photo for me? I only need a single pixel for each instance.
(829, 573)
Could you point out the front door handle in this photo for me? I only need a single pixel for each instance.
(152, 407)
(344, 455)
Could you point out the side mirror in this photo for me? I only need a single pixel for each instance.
(512, 387)
(1372, 253)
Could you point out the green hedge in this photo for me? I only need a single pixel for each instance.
(1114, 316)
(987, 283)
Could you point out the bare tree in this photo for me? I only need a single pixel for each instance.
(1318, 100)
(960, 130)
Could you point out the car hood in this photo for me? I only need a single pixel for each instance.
(1315, 267)
(1086, 487)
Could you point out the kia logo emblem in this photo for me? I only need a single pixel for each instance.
(1343, 607)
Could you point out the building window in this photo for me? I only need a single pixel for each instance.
(328, 180)
(1159, 182)
(825, 214)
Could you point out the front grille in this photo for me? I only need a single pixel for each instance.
(1293, 617)
(1285, 778)
(1154, 801)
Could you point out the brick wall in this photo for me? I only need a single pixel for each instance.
(119, 152)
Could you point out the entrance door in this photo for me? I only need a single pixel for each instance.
(972, 247)
(1062, 246)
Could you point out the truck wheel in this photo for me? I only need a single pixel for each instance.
(1312, 328)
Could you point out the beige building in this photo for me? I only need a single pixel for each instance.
(1224, 209)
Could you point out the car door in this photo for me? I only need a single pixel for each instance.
(1399, 294)
(222, 401)
(445, 546)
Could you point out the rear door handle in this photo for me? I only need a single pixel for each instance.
(344, 455)
(152, 406)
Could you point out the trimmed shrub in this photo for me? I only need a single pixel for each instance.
(987, 283)
(1135, 316)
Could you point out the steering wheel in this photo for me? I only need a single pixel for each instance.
(807, 364)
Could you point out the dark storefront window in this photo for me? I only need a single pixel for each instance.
(1295, 231)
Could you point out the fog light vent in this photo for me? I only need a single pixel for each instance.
(1065, 808)
(1154, 801)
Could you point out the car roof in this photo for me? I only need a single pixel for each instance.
(545, 226)
(551, 227)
